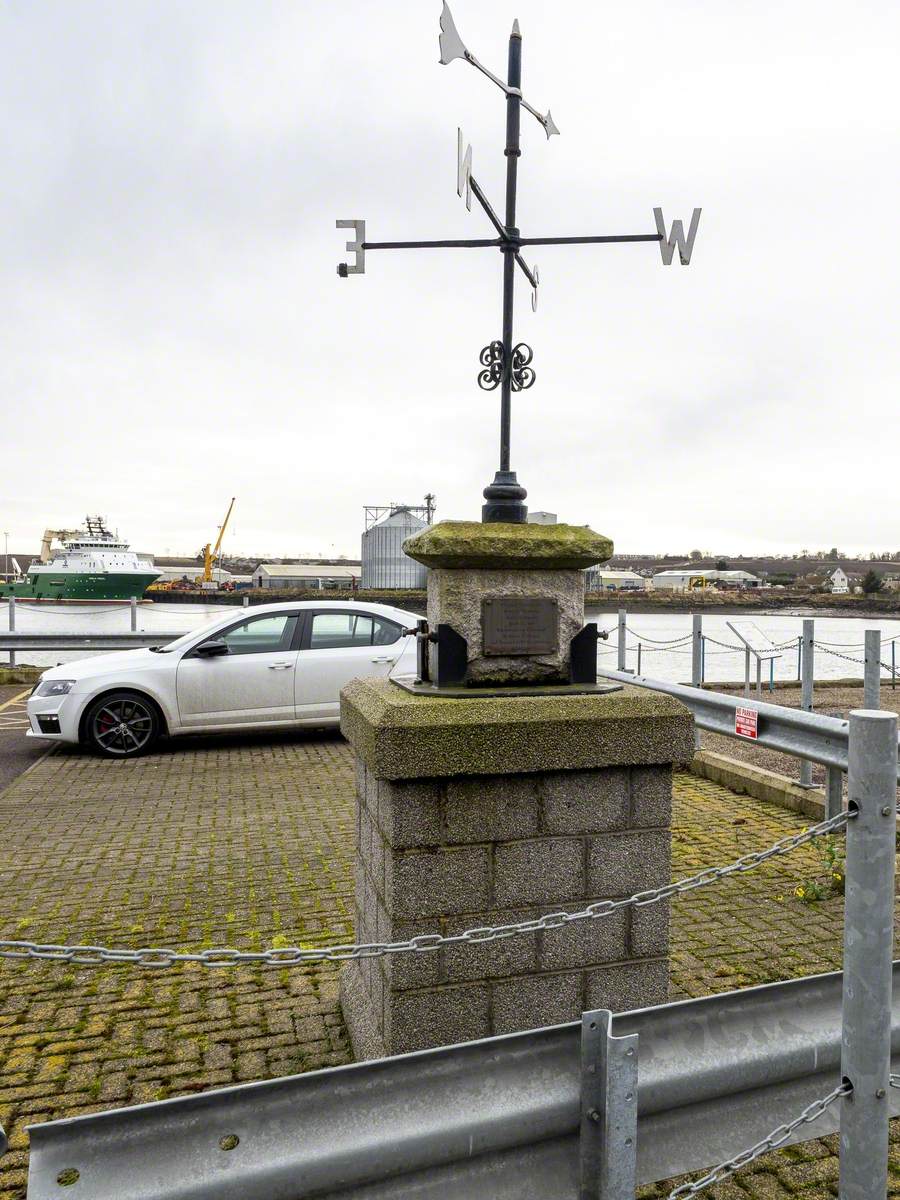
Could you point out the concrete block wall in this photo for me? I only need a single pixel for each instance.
(444, 855)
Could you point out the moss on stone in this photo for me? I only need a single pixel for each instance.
(399, 735)
(535, 547)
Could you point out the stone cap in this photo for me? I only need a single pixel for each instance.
(401, 736)
(499, 546)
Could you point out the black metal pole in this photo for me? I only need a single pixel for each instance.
(505, 495)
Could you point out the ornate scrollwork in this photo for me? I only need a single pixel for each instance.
(492, 359)
(522, 374)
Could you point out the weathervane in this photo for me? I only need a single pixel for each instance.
(504, 365)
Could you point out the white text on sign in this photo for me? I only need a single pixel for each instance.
(746, 722)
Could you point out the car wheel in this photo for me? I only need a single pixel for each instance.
(122, 725)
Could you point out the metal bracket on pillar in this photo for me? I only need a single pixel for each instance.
(452, 656)
(583, 654)
(609, 1094)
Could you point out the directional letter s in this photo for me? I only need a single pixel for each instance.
(668, 242)
(463, 169)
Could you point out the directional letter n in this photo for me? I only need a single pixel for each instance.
(668, 242)
(463, 169)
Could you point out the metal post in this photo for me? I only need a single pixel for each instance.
(894, 663)
(639, 659)
(696, 662)
(12, 626)
(868, 945)
(702, 659)
(799, 656)
(620, 658)
(806, 689)
(758, 677)
(245, 601)
(746, 670)
(133, 614)
(771, 674)
(696, 650)
(834, 791)
(609, 1086)
(872, 669)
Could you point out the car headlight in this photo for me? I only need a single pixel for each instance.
(55, 687)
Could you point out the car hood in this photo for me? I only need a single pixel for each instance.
(105, 664)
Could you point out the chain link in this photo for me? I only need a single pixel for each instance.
(294, 956)
(772, 1141)
(861, 662)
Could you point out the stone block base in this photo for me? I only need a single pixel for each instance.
(462, 850)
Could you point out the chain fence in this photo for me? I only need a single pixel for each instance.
(773, 1141)
(293, 956)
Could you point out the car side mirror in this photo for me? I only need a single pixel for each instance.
(212, 649)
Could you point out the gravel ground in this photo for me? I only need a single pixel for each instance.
(832, 701)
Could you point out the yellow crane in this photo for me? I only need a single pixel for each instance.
(210, 557)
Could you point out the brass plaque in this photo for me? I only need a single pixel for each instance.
(519, 625)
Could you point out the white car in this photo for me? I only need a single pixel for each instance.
(274, 666)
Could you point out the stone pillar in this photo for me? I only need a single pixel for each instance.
(521, 795)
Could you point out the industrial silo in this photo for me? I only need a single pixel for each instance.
(384, 565)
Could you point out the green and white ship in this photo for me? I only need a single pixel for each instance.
(92, 564)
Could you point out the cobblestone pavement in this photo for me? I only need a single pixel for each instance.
(249, 841)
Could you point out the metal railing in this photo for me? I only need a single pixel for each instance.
(562, 1112)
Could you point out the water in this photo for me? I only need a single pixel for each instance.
(101, 618)
(843, 635)
(838, 635)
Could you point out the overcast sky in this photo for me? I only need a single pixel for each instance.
(174, 331)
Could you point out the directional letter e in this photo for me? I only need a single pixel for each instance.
(668, 242)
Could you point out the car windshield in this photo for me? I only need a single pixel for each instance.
(186, 639)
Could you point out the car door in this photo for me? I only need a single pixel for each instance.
(252, 683)
(339, 646)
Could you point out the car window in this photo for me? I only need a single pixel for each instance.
(335, 631)
(260, 635)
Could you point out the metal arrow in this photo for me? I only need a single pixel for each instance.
(451, 45)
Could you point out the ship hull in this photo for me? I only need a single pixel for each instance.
(98, 586)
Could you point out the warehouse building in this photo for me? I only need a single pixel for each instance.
(687, 579)
(613, 579)
(306, 575)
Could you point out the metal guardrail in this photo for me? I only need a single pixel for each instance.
(92, 642)
(498, 1118)
(806, 735)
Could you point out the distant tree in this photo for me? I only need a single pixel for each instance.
(721, 564)
(833, 554)
(871, 582)
(696, 555)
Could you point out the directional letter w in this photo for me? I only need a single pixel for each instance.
(668, 242)
(463, 169)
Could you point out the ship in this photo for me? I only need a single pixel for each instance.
(92, 564)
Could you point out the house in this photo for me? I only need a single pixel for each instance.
(840, 582)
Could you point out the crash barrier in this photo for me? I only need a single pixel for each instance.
(589, 1111)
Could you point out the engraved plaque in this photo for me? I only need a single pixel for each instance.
(519, 625)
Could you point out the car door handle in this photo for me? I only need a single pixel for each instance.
(382, 660)
(280, 666)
